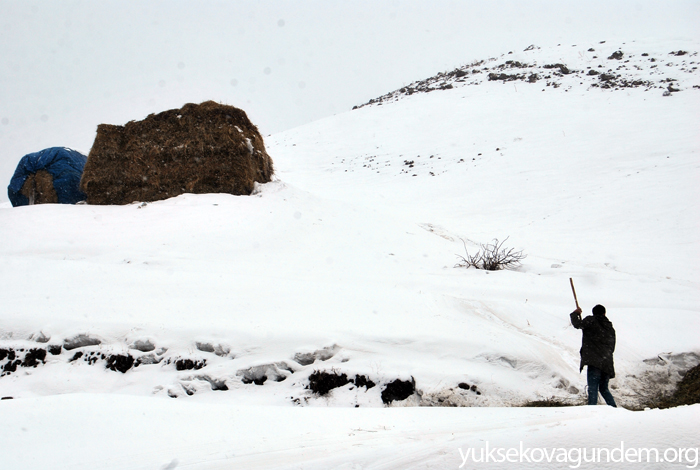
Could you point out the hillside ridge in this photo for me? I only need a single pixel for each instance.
(602, 67)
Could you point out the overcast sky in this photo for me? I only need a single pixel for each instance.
(67, 66)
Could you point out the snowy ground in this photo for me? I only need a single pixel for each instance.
(86, 433)
(218, 308)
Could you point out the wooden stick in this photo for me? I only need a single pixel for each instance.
(574, 291)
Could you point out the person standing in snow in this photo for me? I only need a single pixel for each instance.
(597, 349)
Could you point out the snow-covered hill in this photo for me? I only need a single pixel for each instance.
(345, 264)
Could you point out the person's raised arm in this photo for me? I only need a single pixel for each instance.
(576, 318)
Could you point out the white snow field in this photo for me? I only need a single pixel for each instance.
(185, 333)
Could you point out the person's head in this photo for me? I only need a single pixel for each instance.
(598, 310)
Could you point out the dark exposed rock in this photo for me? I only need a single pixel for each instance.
(562, 68)
(516, 64)
(206, 347)
(320, 354)
(259, 380)
(91, 358)
(617, 55)
(216, 384)
(42, 338)
(143, 345)
(11, 366)
(362, 381)
(119, 362)
(55, 349)
(147, 359)
(261, 373)
(7, 353)
(34, 357)
(217, 349)
(80, 341)
(189, 364)
(321, 382)
(219, 385)
(505, 77)
(398, 390)
(305, 358)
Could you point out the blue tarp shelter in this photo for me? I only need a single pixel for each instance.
(63, 164)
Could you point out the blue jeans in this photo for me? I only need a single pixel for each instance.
(598, 381)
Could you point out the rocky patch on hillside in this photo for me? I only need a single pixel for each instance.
(591, 69)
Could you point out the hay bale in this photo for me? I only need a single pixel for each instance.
(205, 148)
(38, 188)
(48, 176)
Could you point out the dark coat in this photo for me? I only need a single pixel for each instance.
(598, 342)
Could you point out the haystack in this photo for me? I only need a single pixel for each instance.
(38, 188)
(49, 176)
(205, 148)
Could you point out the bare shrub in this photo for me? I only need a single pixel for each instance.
(491, 257)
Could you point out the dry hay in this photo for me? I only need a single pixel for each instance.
(39, 189)
(205, 148)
